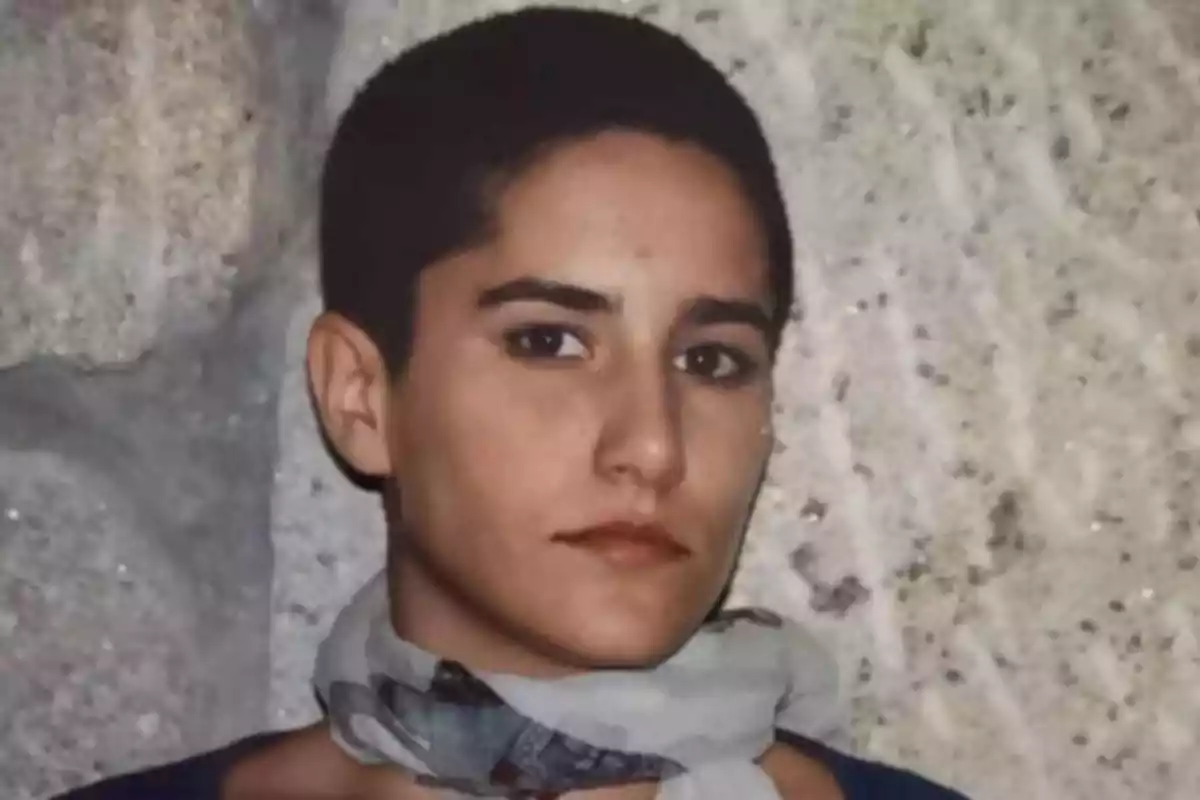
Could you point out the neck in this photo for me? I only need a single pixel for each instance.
(427, 611)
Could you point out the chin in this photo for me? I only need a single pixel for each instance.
(621, 644)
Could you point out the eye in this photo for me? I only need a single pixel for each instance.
(545, 342)
(717, 363)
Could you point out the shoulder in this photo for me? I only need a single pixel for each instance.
(859, 779)
(195, 778)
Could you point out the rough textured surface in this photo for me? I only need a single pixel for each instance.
(135, 556)
(135, 559)
(128, 174)
(984, 493)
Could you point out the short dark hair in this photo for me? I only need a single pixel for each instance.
(407, 176)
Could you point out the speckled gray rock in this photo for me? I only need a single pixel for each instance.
(134, 550)
(984, 491)
(135, 560)
(129, 142)
(990, 394)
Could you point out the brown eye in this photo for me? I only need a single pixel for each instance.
(716, 363)
(545, 342)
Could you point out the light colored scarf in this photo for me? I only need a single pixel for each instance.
(695, 723)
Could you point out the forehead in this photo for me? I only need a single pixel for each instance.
(623, 206)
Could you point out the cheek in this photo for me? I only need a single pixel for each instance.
(727, 450)
(505, 451)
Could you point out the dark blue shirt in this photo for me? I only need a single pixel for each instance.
(200, 777)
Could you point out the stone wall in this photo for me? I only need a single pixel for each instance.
(984, 493)
(156, 175)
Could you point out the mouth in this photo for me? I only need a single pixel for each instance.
(627, 544)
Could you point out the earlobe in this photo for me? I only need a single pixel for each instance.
(350, 388)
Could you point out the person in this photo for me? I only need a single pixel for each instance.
(556, 265)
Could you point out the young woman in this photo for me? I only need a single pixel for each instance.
(556, 265)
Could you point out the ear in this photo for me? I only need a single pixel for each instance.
(350, 385)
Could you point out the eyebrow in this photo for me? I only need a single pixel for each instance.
(573, 298)
(718, 311)
(702, 311)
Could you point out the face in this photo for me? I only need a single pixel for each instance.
(578, 436)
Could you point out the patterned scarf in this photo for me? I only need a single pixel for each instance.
(694, 724)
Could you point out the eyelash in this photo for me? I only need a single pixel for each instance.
(745, 367)
(515, 347)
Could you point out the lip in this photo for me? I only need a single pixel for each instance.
(627, 544)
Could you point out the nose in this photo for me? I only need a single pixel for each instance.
(641, 442)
